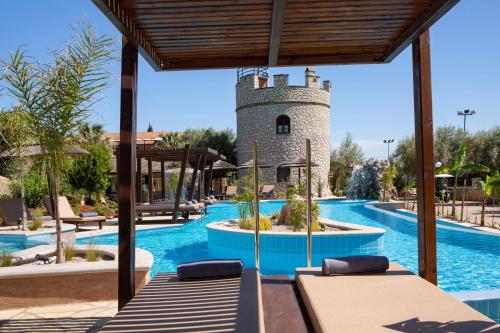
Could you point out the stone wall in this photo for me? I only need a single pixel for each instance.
(309, 112)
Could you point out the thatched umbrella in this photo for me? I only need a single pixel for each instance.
(37, 150)
(297, 163)
(261, 164)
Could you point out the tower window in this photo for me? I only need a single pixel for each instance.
(283, 125)
(283, 175)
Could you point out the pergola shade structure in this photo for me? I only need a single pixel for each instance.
(179, 35)
(204, 34)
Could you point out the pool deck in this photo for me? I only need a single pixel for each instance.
(74, 317)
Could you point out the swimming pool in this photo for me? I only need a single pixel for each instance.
(467, 259)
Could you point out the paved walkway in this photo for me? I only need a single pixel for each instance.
(74, 317)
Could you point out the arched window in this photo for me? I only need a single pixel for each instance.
(283, 125)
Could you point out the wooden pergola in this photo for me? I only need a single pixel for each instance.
(203, 34)
(197, 158)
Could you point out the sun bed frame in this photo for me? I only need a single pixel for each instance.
(169, 305)
(395, 301)
(67, 215)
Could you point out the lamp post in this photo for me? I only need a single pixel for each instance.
(388, 141)
(465, 113)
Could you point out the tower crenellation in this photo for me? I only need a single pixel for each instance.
(280, 118)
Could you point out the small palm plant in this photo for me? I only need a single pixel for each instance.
(489, 187)
(460, 167)
(58, 97)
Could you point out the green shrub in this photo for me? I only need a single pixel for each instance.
(69, 251)
(6, 259)
(297, 214)
(93, 253)
(104, 210)
(35, 225)
(35, 188)
(275, 215)
(249, 224)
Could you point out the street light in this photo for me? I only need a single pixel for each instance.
(464, 114)
(388, 141)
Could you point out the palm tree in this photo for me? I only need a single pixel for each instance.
(58, 97)
(460, 167)
(488, 187)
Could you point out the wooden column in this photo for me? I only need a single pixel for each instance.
(196, 166)
(150, 180)
(309, 203)
(126, 174)
(256, 204)
(178, 193)
(208, 185)
(163, 187)
(138, 181)
(201, 181)
(424, 145)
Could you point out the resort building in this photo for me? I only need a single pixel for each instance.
(279, 119)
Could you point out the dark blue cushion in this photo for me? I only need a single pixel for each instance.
(92, 214)
(210, 269)
(355, 264)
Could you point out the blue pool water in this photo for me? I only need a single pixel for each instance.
(11, 244)
(467, 259)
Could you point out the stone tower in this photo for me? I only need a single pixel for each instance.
(280, 118)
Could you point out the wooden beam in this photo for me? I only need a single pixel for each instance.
(127, 173)
(276, 29)
(120, 18)
(256, 204)
(138, 181)
(163, 187)
(208, 186)
(181, 182)
(435, 11)
(196, 166)
(150, 181)
(424, 144)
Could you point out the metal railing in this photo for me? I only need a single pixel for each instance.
(260, 71)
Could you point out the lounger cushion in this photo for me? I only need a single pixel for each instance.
(210, 269)
(394, 301)
(90, 214)
(355, 264)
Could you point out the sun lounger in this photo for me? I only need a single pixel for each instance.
(229, 193)
(68, 216)
(267, 191)
(169, 305)
(394, 301)
(11, 211)
(167, 207)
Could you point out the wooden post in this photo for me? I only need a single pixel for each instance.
(424, 144)
(163, 187)
(309, 203)
(178, 193)
(127, 173)
(150, 180)
(201, 181)
(193, 178)
(138, 182)
(208, 185)
(256, 204)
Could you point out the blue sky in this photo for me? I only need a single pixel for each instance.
(372, 102)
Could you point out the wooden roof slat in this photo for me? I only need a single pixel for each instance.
(203, 34)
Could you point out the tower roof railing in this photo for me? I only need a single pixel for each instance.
(260, 71)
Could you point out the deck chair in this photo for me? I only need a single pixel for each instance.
(11, 211)
(68, 216)
(394, 301)
(267, 191)
(231, 191)
(217, 305)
